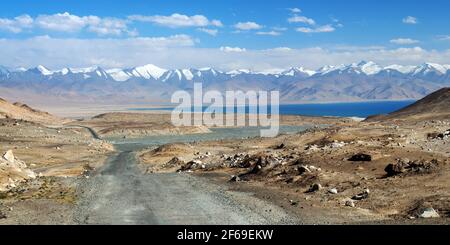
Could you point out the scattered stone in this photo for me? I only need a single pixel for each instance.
(2, 215)
(303, 169)
(9, 156)
(337, 144)
(362, 196)
(350, 203)
(315, 187)
(190, 165)
(293, 203)
(406, 166)
(429, 213)
(279, 147)
(333, 191)
(234, 178)
(360, 157)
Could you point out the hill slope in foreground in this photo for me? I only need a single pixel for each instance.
(434, 106)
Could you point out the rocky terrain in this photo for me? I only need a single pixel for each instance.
(434, 106)
(38, 153)
(373, 171)
(390, 169)
(24, 112)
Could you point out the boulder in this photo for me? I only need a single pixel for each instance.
(412, 167)
(360, 157)
(361, 196)
(428, 213)
(303, 169)
(9, 156)
(393, 169)
(333, 191)
(315, 187)
(350, 203)
(234, 178)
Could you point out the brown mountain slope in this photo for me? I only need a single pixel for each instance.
(434, 106)
(24, 112)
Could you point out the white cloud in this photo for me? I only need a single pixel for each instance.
(283, 49)
(212, 32)
(279, 28)
(17, 24)
(66, 22)
(404, 41)
(232, 49)
(320, 29)
(246, 26)
(75, 52)
(295, 10)
(444, 37)
(301, 19)
(410, 20)
(180, 51)
(177, 20)
(268, 33)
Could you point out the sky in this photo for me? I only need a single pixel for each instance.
(232, 34)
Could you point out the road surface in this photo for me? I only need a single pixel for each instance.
(120, 193)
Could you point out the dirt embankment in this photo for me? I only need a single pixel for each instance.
(135, 125)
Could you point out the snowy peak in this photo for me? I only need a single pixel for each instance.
(296, 71)
(148, 71)
(427, 68)
(40, 69)
(151, 72)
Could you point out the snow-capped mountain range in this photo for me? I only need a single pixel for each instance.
(357, 81)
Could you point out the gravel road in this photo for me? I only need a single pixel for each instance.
(121, 194)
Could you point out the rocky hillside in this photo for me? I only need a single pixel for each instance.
(24, 112)
(434, 106)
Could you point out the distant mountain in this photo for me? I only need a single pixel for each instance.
(149, 83)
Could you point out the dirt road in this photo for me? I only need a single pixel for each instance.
(121, 194)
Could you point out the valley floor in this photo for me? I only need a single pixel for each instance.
(301, 178)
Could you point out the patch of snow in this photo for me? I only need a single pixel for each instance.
(400, 68)
(187, 74)
(148, 71)
(43, 70)
(118, 75)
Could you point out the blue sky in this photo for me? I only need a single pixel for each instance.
(224, 34)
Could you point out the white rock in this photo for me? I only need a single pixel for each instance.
(333, 191)
(350, 203)
(9, 156)
(429, 213)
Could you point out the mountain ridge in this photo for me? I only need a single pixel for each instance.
(150, 83)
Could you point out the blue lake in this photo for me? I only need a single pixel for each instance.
(351, 109)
